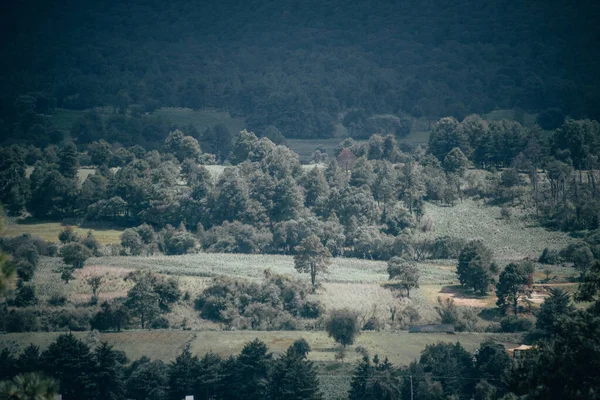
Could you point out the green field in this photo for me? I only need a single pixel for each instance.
(49, 231)
(400, 347)
(510, 240)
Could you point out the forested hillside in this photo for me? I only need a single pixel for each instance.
(300, 66)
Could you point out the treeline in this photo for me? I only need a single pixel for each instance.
(298, 67)
(561, 166)
(96, 371)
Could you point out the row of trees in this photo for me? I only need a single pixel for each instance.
(100, 372)
(374, 67)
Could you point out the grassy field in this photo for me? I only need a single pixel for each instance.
(201, 119)
(400, 347)
(49, 231)
(513, 239)
(334, 377)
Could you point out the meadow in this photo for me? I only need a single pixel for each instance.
(511, 240)
(400, 347)
(49, 231)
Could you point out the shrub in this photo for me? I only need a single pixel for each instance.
(274, 304)
(512, 323)
(343, 326)
(25, 270)
(24, 295)
(373, 324)
(159, 323)
(71, 319)
(312, 309)
(57, 300)
(446, 247)
(21, 321)
(549, 256)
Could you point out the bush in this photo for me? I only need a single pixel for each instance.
(373, 324)
(57, 300)
(25, 270)
(159, 323)
(274, 304)
(312, 309)
(21, 321)
(512, 324)
(24, 295)
(71, 319)
(549, 256)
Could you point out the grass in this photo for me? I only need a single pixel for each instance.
(49, 231)
(400, 347)
(510, 240)
(247, 266)
(201, 119)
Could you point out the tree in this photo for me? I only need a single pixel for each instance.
(405, 271)
(294, 377)
(182, 374)
(312, 257)
(513, 284)
(556, 306)
(68, 359)
(130, 239)
(346, 159)
(491, 361)
(251, 371)
(475, 268)
(456, 162)
(182, 146)
(68, 235)
(452, 362)
(75, 254)
(7, 276)
(94, 282)
(143, 301)
(106, 374)
(343, 326)
(68, 161)
(377, 380)
(147, 380)
(29, 386)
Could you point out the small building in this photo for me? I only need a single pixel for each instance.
(520, 351)
(431, 328)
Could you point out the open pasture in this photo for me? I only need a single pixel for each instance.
(49, 231)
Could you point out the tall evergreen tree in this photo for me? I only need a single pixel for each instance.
(294, 378)
(68, 161)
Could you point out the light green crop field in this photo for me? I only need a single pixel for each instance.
(510, 240)
(49, 231)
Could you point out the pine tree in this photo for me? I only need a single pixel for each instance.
(294, 378)
(68, 162)
(182, 374)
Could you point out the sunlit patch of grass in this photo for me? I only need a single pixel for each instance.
(49, 231)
